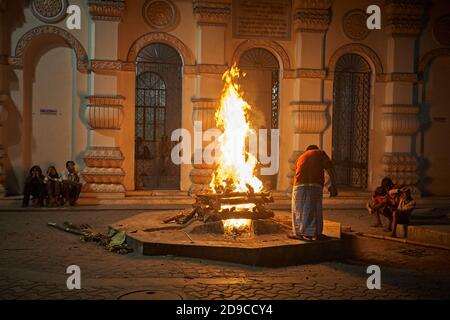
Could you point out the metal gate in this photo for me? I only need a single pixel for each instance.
(158, 113)
(351, 112)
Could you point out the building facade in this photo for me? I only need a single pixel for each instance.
(109, 94)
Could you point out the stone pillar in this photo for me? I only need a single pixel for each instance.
(400, 111)
(103, 172)
(203, 110)
(104, 109)
(212, 20)
(309, 112)
(399, 122)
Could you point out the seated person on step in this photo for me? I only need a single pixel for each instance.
(381, 202)
(401, 214)
(71, 183)
(34, 186)
(53, 185)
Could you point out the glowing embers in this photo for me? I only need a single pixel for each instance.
(237, 227)
(236, 210)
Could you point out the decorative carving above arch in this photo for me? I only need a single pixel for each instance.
(354, 25)
(26, 40)
(161, 37)
(160, 14)
(428, 58)
(49, 11)
(259, 57)
(357, 48)
(272, 46)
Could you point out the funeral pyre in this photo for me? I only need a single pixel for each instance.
(235, 195)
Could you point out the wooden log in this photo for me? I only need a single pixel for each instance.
(231, 194)
(247, 215)
(216, 202)
(188, 217)
(178, 215)
(241, 200)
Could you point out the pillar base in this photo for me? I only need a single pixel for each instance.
(402, 169)
(201, 176)
(103, 172)
(101, 188)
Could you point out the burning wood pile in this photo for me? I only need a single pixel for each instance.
(235, 205)
(236, 197)
(210, 207)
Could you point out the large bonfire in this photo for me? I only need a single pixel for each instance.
(235, 166)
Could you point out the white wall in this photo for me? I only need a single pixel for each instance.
(49, 80)
(52, 89)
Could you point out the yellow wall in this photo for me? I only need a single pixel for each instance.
(209, 45)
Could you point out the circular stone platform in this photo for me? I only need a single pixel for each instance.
(268, 247)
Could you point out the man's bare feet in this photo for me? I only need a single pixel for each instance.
(294, 237)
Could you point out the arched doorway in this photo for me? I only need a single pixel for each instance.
(158, 113)
(351, 106)
(261, 90)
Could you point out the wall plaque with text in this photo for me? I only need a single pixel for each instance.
(48, 111)
(262, 19)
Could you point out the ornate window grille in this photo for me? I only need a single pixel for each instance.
(351, 112)
(158, 113)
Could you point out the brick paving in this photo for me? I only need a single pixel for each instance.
(34, 259)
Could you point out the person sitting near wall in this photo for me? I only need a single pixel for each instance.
(71, 183)
(34, 186)
(401, 214)
(381, 202)
(53, 185)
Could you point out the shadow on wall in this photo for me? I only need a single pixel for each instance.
(12, 127)
(79, 158)
(424, 163)
(11, 140)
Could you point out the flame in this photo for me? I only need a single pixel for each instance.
(236, 166)
(236, 226)
(238, 207)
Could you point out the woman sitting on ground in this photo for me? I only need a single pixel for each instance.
(53, 183)
(34, 186)
(71, 183)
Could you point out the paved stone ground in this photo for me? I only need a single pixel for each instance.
(34, 258)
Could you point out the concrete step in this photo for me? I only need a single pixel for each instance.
(150, 193)
(432, 234)
(176, 197)
(150, 200)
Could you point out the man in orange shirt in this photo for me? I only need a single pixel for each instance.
(307, 218)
